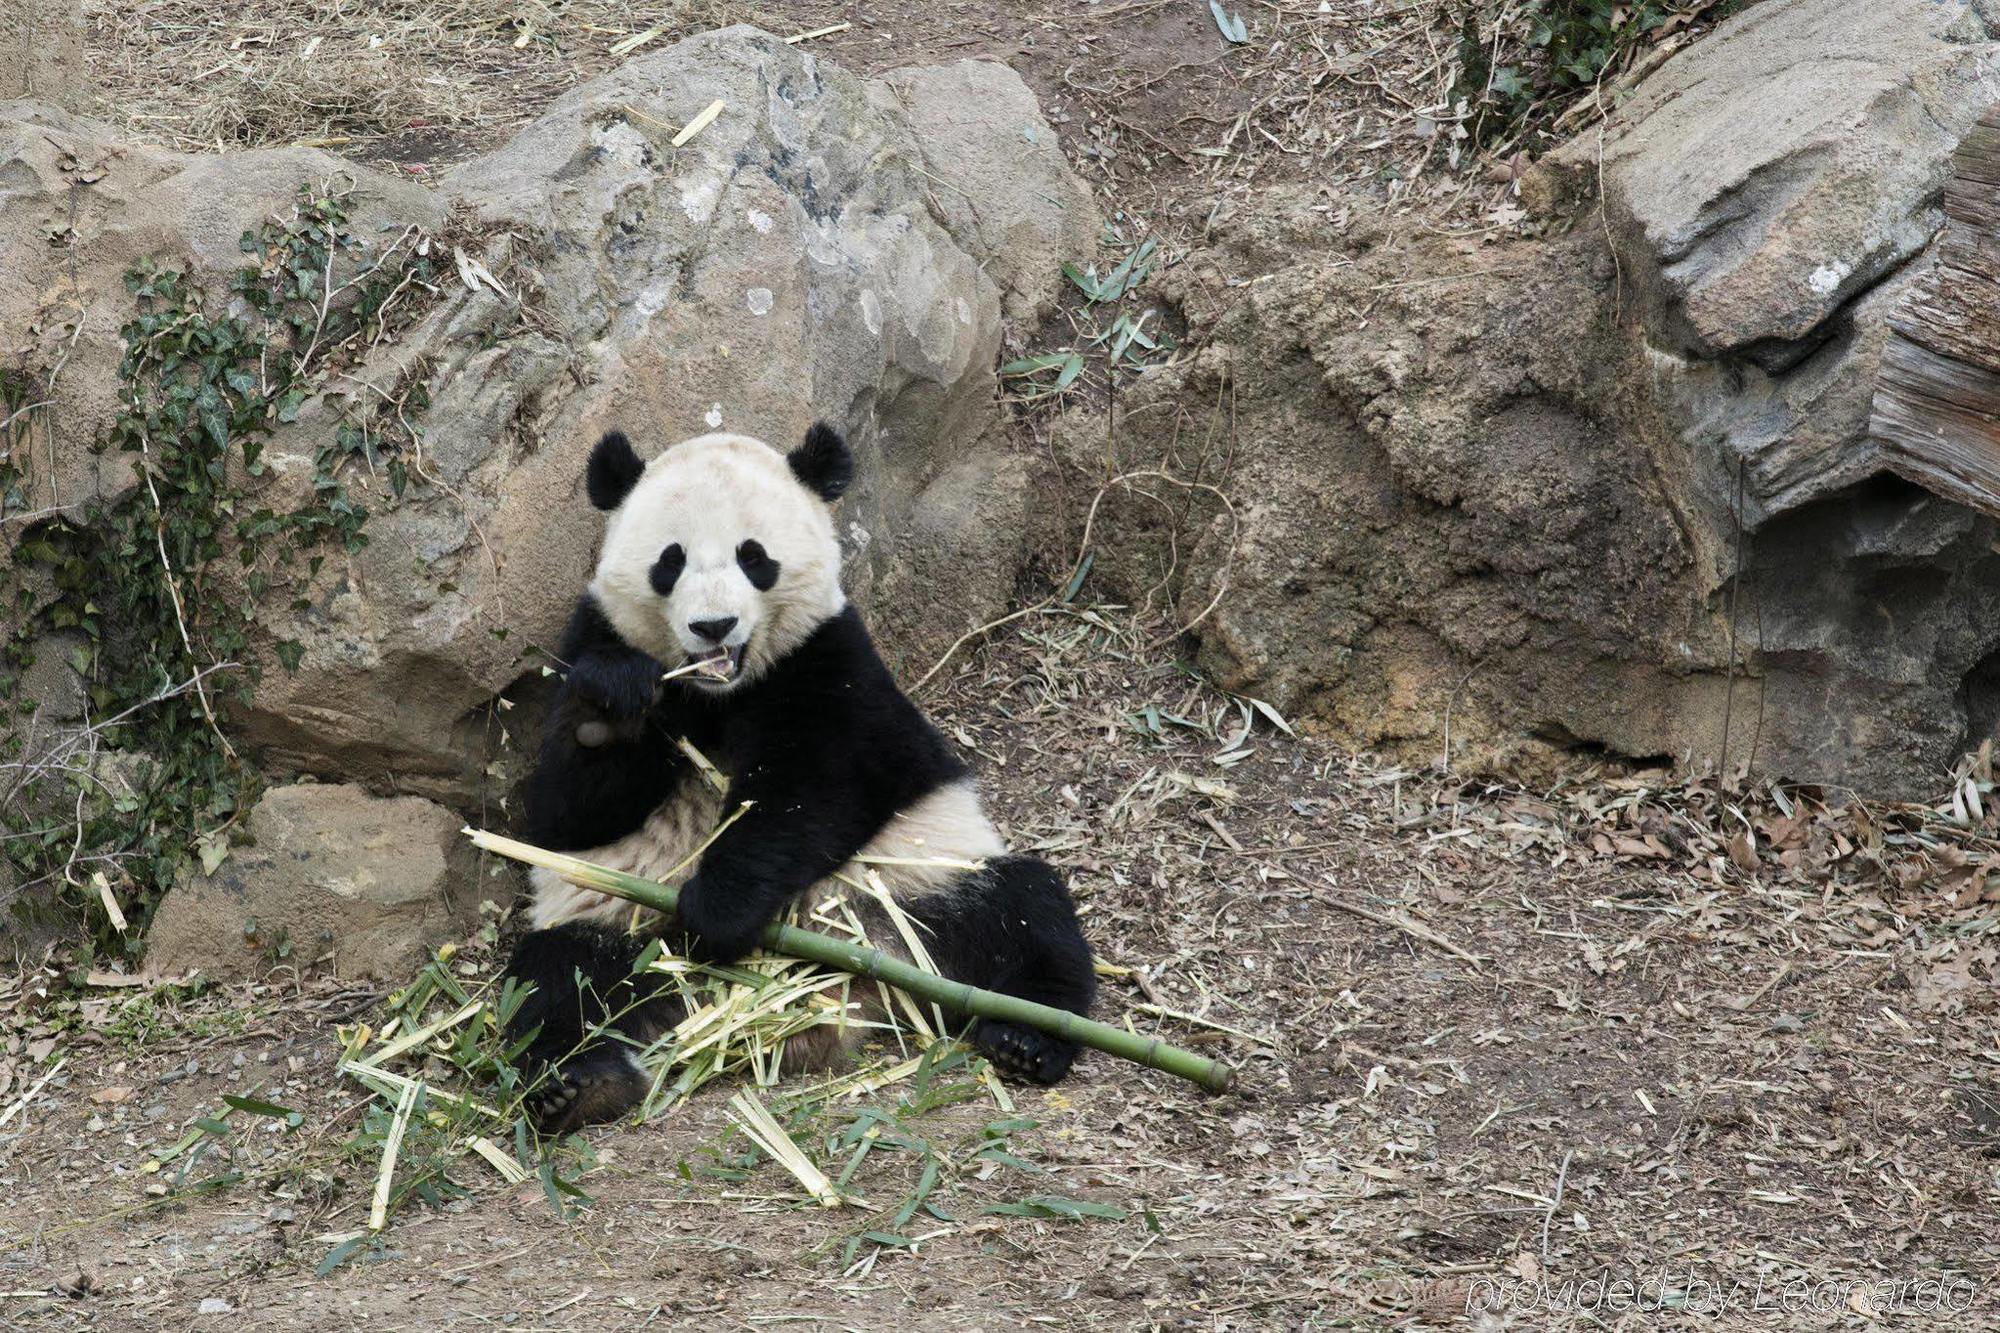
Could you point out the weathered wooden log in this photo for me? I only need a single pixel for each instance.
(1936, 414)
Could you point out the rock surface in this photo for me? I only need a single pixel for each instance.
(1005, 191)
(372, 884)
(1790, 160)
(795, 260)
(41, 51)
(783, 266)
(78, 208)
(1548, 501)
(1762, 186)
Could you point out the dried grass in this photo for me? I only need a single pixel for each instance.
(411, 81)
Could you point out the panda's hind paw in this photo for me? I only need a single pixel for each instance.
(1023, 1054)
(585, 1089)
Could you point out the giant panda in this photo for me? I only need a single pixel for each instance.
(721, 554)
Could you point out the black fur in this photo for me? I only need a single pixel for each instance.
(1014, 931)
(666, 571)
(824, 462)
(829, 750)
(585, 977)
(614, 470)
(585, 794)
(757, 565)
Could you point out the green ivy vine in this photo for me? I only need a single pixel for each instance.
(136, 576)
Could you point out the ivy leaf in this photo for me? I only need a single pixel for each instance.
(214, 850)
(340, 1254)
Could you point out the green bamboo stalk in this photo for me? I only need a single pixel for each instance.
(864, 961)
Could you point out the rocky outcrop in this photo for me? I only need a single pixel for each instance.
(1002, 191)
(811, 253)
(333, 876)
(78, 209)
(1553, 498)
(1767, 189)
(782, 266)
(1787, 163)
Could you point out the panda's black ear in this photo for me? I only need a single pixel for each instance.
(614, 471)
(823, 463)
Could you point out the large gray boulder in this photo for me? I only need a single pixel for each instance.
(783, 266)
(794, 260)
(367, 885)
(1790, 160)
(999, 187)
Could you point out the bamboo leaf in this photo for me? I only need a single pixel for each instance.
(1055, 1206)
(340, 1254)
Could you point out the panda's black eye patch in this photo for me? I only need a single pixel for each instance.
(758, 566)
(667, 569)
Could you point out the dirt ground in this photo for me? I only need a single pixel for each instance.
(1622, 1054)
(1485, 1038)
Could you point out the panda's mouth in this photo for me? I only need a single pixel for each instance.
(720, 665)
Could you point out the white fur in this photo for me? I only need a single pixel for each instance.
(708, 495)
(947, 825)
(650, 851)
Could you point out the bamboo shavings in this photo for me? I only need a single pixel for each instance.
(827, 31)
(416, 1037)
(626, 46)
(709, 772)
(509, 1169)
(906, 928)
(940, 862)
(836, 916)
(378, 1209)
(29, 1095)
(685, 668)
(388, 1083)
(757, 1122)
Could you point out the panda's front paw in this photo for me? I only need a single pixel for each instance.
(720, 929)
(613, 693)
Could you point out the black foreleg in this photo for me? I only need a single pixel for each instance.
(1012, 928)
(589, 1012)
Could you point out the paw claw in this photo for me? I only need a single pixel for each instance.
(595, 1086)
(1024, 1055)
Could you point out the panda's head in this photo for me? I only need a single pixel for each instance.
(721, 551)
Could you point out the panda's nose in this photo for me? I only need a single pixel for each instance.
(716, 630)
